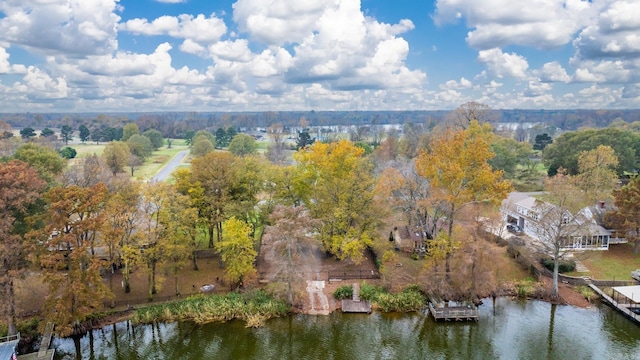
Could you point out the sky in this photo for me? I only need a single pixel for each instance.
(324, 55)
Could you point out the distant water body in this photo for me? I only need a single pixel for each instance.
(514, 329)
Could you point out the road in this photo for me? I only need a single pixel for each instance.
(164, 173)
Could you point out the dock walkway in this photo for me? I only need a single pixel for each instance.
(623, 308)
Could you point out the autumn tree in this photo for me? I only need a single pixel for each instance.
(179, 232)
(459, 174)
(20, 188)
(118, 231)
(597, 172)
(237, 251)
(626, 218)
(214, 175)
(184, 186)
(401, 188)
(87, 172)
(202, 146)
(276, 148)
(556, 211)
(464, 114)
(164, 230)
(290, 237)
(337, 185)
(116, 155)
(74, 217)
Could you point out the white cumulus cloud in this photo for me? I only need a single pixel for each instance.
(72, 27)
(503, 64)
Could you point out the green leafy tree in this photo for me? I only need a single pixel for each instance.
(304, 139)
(221, 138)
(48, 162)
(237, 251)
(243, 145)
(229, 135)
(46, 132)
(68, 153)
(140, 146)
(27, 133)
(97, 135)
(156, 138)
(188, 137)
(542, 141)
(566, 149)
(66, 133)
(508, 154)
(84, 133)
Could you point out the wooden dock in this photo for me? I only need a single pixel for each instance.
(44, 353)
(456, 313)
(355, 305)
(623, 308)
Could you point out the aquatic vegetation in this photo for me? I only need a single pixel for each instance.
(253, 307)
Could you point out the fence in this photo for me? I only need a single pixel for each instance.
(156, 299)
(353, 274)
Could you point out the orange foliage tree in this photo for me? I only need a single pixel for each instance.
(456, 166)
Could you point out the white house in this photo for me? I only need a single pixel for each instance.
(524, 210)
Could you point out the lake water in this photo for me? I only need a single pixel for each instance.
(516, 329)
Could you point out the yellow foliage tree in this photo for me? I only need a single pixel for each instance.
(237, 250)
(458, 172)
(337, 185)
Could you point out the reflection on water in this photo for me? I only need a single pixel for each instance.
(515, 329)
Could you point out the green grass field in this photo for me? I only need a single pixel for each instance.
(157, 160)
(150, 167)
(615, 263)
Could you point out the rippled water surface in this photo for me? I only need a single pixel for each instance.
(514, 329)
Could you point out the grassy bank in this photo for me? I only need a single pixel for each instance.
(408, 300)
(254, 307)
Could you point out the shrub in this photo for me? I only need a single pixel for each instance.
(563, 266)
(343, 292)
(525, 288)
(588, 294)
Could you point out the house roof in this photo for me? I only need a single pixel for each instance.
(631, 292)
(7, 349)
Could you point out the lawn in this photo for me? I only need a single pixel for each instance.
(86, 149)
(615, 263)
